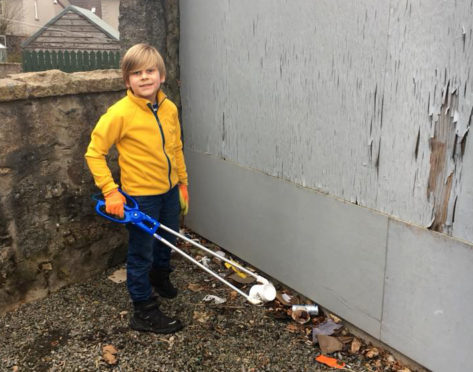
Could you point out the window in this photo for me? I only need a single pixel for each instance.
(3, 40)
(2, 7)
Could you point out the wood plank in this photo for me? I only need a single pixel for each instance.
(73, 17)
(71, 22)
(73, 33)
(70, 46)
(74, 46)
(90, 27)
(75, 40)
(66, 40)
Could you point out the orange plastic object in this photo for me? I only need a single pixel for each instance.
(331, 362)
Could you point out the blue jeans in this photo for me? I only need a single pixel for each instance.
(145, 251)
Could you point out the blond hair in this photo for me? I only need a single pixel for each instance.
(142, 56)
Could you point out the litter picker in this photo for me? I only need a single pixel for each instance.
(258, 294)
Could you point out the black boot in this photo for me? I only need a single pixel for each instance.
(148, 318)
(159, 279)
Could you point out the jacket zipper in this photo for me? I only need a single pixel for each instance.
(164, 142)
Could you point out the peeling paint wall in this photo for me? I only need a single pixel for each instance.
(429, 102)
(370, 102)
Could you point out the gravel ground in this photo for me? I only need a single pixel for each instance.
(68, 331)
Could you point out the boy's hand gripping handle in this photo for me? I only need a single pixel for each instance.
(131, 214)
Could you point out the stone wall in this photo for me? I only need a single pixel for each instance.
(50, 235)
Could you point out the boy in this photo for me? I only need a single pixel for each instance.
(144, 126)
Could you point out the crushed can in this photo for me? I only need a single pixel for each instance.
(302, 313)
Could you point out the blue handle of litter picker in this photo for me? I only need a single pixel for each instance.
(131, 214)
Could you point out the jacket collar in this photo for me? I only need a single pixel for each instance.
(142, 102)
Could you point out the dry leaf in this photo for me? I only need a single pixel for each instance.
(345, 332)
(405, 369)
(335, 318)
(108, 354)
(390, 359)
(233, 295)
(293, 328)
(372, 352)
(277, 313)
(109, 358)
(123, 313)
(195, 287)
(243, 280)
(109, 349)
(329, 344)
(201, 317)
(46, 266)
(119, 276)
(355, 346)
(345, 339)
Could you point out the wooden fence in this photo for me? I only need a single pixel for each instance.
(69, 61)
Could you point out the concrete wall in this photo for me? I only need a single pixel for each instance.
(325, 142)
(110, 12)
(28, 17)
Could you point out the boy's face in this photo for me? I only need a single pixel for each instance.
(145, 83)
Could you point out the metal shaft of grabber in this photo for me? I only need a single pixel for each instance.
(164, 241)
(183, 237)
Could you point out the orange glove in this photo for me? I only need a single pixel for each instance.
(183, 199)
(114, 201)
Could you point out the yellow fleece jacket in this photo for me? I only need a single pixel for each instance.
(150, 158)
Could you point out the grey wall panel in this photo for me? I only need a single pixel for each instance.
(294, 91)
(428, 106)
(367, 101)
(429, 298)
(329, 250)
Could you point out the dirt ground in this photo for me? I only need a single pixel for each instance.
(84, 327)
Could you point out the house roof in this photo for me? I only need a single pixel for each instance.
(98, 22)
